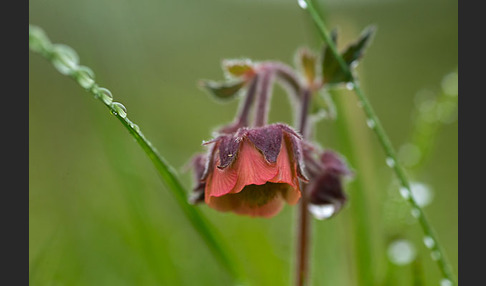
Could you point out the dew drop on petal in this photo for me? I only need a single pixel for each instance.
(401, 252)
(321, 212)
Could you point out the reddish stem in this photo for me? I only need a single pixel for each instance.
(265, 93)
(304, 226)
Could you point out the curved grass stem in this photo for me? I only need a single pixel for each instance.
(437, 252)
(65, 60)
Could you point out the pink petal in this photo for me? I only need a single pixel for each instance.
(220, 182)
(252, 168)
(286, 168)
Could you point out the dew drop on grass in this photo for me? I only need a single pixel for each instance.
(119, 109)
(322, 212)
(106, 95)
(401, 252)
(409, 154)
(421, 194)
(435, 255)
(349, 86)
(450, 84)
(85, 77)
(65, 59)
(429, 242)
(371, 123)
(405, 193)
(415, 212)
(445, 282)
(135, 127)
(390, 162)
(302, 4)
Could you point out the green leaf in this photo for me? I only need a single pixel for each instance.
(237, 67)
(356, 50)
(223, 90)
(306, 61)
(331, 71)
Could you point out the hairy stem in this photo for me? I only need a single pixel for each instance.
(264, 97)
(437, 251)
(303, 226)
(250, 97)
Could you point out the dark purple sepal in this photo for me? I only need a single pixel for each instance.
(228, 149)
(209, 160)
(199, 164)
(299, 158)
(333, 163)
(268, 140)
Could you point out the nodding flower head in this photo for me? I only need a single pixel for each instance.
(253, 171)
(326, 195)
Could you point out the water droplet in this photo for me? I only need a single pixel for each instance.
(65, 59)
(435, 255)
(350, 86)
(405, 193)
(429, 242)
(446, 112)
(421, 194)
(322, 212)
(390, 162)
(354, 64)
(85, 77)
(105, 95)
(450, 84)
(371, 123)
(38, 40)
(445, 282)
(415, 212)
(409, 154)
(135, 127)
(119, 109)
(302, 4)
(401, 252)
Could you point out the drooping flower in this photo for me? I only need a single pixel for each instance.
(326, 195)
(254, 171)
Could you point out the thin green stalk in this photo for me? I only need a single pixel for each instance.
(66, 62)
(437, 252)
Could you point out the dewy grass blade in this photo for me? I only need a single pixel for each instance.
(437, 252)
(65, 60)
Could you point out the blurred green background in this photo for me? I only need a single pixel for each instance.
(99, 213)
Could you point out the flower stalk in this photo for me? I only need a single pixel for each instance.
(385, 143)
